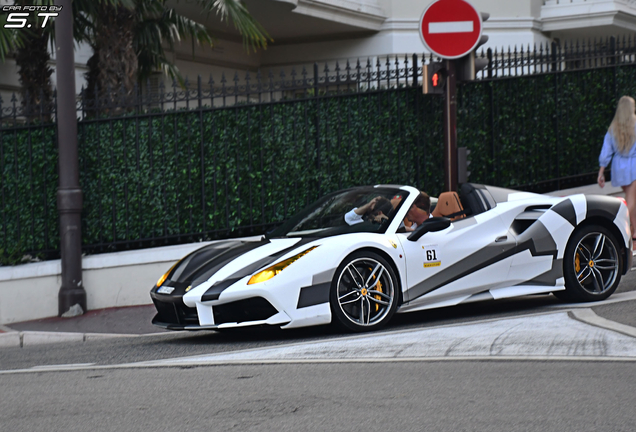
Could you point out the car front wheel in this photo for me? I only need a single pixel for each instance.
(591, 266)
(364, 292)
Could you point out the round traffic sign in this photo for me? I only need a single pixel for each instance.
(450, 28)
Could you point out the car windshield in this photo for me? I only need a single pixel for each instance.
(335, 213)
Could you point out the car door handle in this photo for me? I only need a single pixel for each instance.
(501, 238)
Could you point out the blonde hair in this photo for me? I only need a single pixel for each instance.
(622, 127)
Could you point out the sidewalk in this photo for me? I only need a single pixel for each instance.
(135, 320)
(93, 325)
(121, 320)
(593, 189)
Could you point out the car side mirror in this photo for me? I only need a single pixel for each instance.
(430, 225)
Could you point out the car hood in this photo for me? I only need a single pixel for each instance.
(232, 259)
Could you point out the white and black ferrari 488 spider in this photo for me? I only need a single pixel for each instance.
(318, 268)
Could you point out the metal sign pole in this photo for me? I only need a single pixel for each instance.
(450, 128)
(69, 194)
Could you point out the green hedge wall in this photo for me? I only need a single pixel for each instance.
(529, 129)
(28, 166)
(202, 174)
(170, 177)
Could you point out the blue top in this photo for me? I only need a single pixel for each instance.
(623, 166)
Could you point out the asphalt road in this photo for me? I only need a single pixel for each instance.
(179, 344)
(427, 396)
(454, 395)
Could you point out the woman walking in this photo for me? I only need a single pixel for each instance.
(619, 148)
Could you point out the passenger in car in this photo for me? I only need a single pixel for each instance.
(418, 213)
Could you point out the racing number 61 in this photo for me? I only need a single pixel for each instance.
(430, 255)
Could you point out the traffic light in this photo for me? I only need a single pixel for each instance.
(468, 66)
(462, 164)
(434, 78)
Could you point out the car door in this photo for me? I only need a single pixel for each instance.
(469, 257)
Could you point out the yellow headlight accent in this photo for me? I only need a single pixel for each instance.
(272, 271)
(163, 278)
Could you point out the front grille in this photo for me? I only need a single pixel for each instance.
(253, 309)
(175, 312)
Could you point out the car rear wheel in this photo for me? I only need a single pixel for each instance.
(364, 292)
(591, 265)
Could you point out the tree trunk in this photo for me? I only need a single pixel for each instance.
(112, 70)
(35, 76)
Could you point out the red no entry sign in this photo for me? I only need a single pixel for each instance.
(450, 28)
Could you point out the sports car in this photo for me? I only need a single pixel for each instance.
(319, 267)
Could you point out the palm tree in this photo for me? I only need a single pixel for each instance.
(10, 40)
(19, 41)
(126, 36)
(34, 72)
(129, 45)
(32, 57)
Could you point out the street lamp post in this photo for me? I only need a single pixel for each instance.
(69, 194)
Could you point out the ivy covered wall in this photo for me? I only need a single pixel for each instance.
(179, 176)
(522, 131)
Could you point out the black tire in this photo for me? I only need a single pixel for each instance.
(364, 292)
(592, 265)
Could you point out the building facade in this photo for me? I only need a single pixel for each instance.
(307, 31)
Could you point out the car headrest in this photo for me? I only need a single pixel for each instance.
(476, 198)
(448, 204)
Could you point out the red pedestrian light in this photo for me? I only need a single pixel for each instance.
(433, 79)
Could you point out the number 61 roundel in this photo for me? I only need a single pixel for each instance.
(431, 256)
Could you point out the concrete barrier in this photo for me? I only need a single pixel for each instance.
(30, 291)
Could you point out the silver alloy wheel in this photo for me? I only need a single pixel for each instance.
(596, 263)
(365, 292)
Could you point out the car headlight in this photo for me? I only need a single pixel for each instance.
(270, 272)
(163, 278)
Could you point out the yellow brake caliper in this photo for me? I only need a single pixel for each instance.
(577, 263)
(377, 288)
(377, 296)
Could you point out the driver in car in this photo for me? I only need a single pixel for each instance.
(375, 211)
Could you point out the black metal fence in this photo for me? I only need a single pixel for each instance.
(553, 57)
(235, 155)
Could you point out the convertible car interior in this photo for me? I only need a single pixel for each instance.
(475, 199)
(449, 205)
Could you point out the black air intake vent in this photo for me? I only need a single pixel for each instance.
(524, 220)
(175, 313)
(253, 309)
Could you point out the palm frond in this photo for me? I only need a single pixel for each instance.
(254, 34)
(151, 62)
(156, 26)
(94, 7)
(85, 11)
(10, 39)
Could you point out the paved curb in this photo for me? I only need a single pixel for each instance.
(588, 316)
(32, 338)
(614, 298)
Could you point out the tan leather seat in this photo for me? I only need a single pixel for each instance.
(447, 204)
